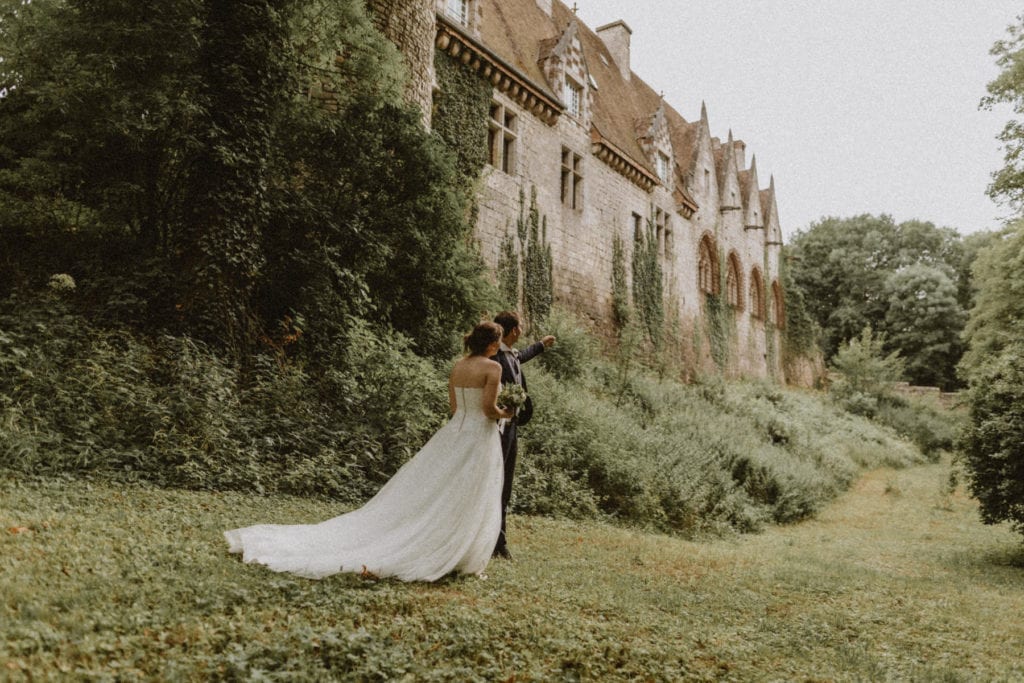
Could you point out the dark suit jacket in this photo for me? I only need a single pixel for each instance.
(508, 377)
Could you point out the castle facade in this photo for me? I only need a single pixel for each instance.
(608, 159)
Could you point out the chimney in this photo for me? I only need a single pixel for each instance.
(740, 149)
(545, 5)
(616, 38)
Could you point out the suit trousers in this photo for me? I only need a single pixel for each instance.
(509, 447)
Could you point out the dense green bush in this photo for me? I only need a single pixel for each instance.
(689, 459)
(213, 172)
(78, 398)
(575, 349)
(993, 441)
(864, 377)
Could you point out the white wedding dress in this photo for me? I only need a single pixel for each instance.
(440, 513)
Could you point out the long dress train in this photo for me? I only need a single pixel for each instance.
(441, 512)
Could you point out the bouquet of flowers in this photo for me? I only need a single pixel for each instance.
(512, 396)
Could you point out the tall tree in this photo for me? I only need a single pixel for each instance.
(1008, 88)
(243, 75)
(95, 139)
(844, 265)
(993, 441)
(923, 322)
(206, 163)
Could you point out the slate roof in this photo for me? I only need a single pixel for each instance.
(521, 33)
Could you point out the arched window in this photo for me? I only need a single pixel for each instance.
(734, 283)
(707, 266)
(778, 307)
(756, 294)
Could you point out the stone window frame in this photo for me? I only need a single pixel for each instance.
(663, 231)
(572, 93)
(778, 309)
(571, 190)
(734, 282)
(502, 138)
(663, 165)
(707, 266)
(757, 309)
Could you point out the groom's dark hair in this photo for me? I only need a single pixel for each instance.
(509, 320)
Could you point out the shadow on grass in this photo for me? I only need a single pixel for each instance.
(1010, 556)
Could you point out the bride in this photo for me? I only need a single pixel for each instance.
(440, 513)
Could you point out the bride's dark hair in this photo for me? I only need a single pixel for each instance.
(482, 336)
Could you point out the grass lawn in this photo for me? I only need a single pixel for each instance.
(896, 580)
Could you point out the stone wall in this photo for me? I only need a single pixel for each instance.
(581, 237)
(581, 241)
(411, 25)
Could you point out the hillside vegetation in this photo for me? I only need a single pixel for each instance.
(610, 440)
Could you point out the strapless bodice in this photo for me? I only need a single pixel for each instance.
(470, 401)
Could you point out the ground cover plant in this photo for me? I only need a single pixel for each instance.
(896, 580)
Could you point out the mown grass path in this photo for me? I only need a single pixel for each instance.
(897, 580)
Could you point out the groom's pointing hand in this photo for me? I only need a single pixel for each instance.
(548, 341)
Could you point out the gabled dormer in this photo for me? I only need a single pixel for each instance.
(655, 140)
(753, 214)
(565, 69)
(772, 228)
(728, 179)
(702, 173)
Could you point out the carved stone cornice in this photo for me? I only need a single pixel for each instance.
(500, 74)
(620, 162)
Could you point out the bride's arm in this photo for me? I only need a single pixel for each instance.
(491, 385)
(452, 404)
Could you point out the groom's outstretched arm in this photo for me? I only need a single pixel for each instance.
(535, 348)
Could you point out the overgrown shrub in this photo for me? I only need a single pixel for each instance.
(993, 441)
(643, 450)
(931, 431)
(77, 398)
(574, 349)
(690, 459)
(865, 375)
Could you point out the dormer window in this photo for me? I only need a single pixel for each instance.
(459, 11)
(663, 167)
(573, 98)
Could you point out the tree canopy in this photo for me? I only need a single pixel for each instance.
(906, 280)
(1008, 88)
(993, 442)
(219, 167)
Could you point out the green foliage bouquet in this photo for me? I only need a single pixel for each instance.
(512, 396)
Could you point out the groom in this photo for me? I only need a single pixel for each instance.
(511, 361)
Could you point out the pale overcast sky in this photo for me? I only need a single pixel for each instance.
(859, 106)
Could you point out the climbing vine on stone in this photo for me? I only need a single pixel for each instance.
(461, 113)
(620, 286)
(508, 271)
(538, 285)
(648, 288)
(719, 318)
(525, 257)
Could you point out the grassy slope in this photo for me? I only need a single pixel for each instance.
(896, 579)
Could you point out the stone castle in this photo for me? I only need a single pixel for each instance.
(606, 156)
